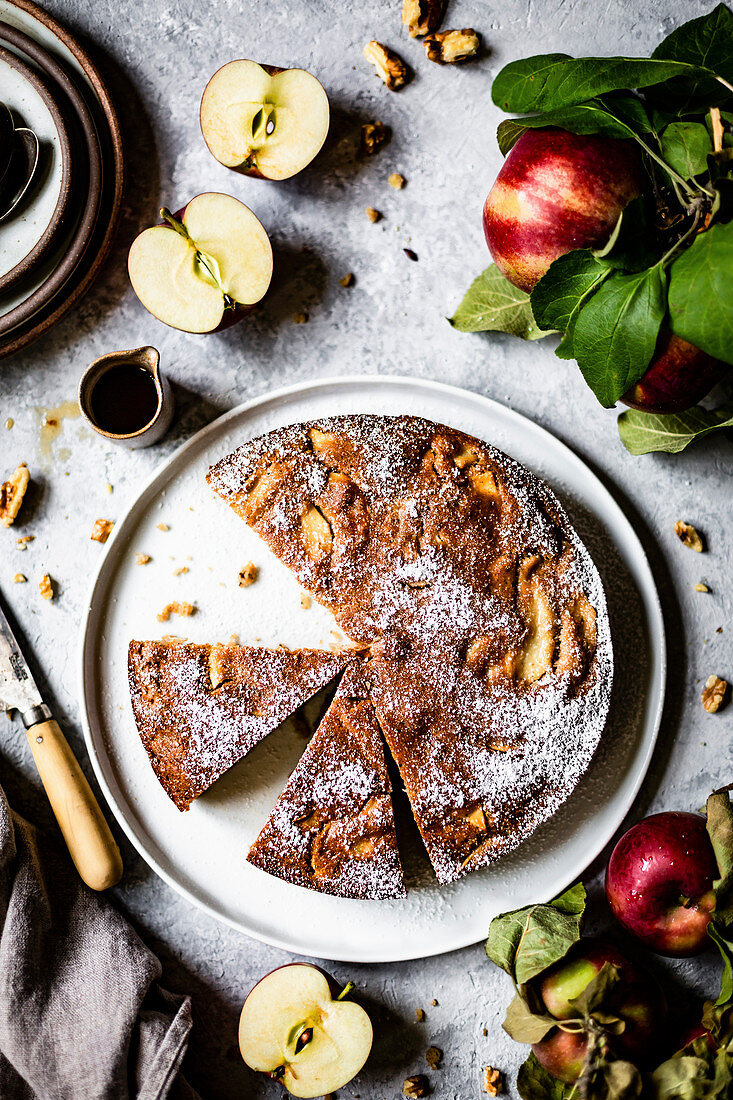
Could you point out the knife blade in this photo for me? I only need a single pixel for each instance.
(88, 838)
(18, 689)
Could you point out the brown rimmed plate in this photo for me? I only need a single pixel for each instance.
(31, 31)
(45, 235)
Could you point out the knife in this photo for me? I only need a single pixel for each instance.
(88, 838)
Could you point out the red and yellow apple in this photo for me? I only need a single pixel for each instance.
(659, 882)
(293, 1029)
(557, 191)
(204, 266)
(264, 121)
(679, 376)
(636, 999)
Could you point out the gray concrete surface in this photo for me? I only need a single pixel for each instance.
(157, 57)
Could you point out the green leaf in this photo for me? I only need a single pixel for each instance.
(725, 947)
(548, 81)
(596, 993)
(643, 432)
(616, 332)
(706, 42)
(526, 941)
(525, 1026)
(611, 1080)
(624, 119)
(632, 245)
(491, 302)
(685, 147)
(565, 285)
(683, 1077)
(701, 292)
(535, 1083)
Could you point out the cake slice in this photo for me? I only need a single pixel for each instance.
(332, 829)
(200, 708)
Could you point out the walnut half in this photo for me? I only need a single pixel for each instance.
(714, 693)
(12, 492)
(422, 16)
(447, 47)
(391, 68)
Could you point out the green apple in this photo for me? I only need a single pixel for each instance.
(292, 1029)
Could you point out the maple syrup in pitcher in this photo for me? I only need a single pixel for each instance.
(124, 399)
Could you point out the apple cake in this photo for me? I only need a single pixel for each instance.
(480, 617)
(200, 708)
(333, 827)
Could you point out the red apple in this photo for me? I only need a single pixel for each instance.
(678, 377)
(555, 192)
(659, 882)
(636, 999)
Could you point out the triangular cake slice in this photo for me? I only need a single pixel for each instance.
(333, 829)
(200, 708)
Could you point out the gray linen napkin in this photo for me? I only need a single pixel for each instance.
(81, 1014)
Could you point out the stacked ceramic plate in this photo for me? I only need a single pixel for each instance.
(61, 173)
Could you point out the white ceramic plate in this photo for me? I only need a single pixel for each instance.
(201, 853)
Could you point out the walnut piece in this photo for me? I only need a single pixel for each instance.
(493, 1081)
(19, 578)
(12, 492)
(397, 181)
(434, 1056)
(714, 693)
(373, 136)
(416, 1086)
(390, 67)
(372, 214)
(101, 530)
(420, 1015)
(163, 527)
(142, 559)
(248, 575)
(347, 280)
(305, 602)
(45, 587)
(448, 47)
(422, 16)
(688, 536)
(175, 608)
(300, 318)
(701, 587)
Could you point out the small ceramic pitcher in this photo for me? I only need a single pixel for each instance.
(149, 359)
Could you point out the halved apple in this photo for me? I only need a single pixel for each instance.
(264, 121)
(204, 266)
(292, 1029)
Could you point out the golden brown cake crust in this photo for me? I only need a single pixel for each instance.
(489, 648)
(333, 829)
(200, 708)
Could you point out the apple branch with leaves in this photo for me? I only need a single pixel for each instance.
(668, 264)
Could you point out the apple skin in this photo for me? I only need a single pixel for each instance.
(637, 999)
(678, 377)
(659, 862)
(555, 192)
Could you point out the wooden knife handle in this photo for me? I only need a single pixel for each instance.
(88, 838)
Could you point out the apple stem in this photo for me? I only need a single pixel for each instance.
(174, 223)
(345, 991)
(717, 127)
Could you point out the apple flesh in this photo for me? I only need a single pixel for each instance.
(201, 269)
(678, 377)
(659, 882)
(555, 192)
(636, 999)
(264, 121)
(292, 1029)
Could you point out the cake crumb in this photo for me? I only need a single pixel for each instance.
(101, 530)
(348, 279)
(25, 539)
(180, 571)
(493, 1081)
(163, 527)
(305, 602)
(142, 559)
(372, 214)
(173, 639)
(689, 537)
(19, 578)
(12, 493)
(420, 1015)
(233, 639)
(45, 587)
(701, 587)
(397, 181)
(175, 607)
(300, 318)
(110, 488)
(248, 575)
(485, 1031)
(433, 1002)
